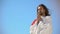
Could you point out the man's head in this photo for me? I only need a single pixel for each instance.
(42, 10)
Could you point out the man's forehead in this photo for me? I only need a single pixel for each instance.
(39, 7)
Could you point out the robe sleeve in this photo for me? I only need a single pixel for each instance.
(32, 27)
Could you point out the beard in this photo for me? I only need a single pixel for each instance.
(42, 13)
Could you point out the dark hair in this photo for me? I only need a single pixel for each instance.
(46, 9)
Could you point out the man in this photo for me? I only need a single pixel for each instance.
(42, 24)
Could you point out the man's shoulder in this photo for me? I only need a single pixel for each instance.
(34, 21)
(48, 17)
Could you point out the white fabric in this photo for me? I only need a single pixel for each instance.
(44, 27)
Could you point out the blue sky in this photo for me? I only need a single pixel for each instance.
(17, 15)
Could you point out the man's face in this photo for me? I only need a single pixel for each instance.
(41, 10)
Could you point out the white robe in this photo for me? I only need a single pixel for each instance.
(44, 27)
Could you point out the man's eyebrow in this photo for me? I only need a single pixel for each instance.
(38, 9)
